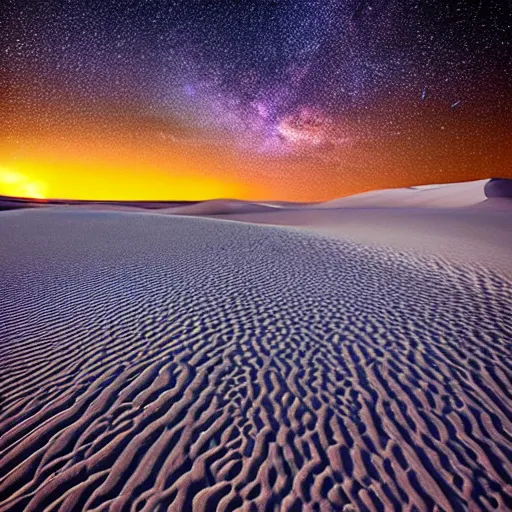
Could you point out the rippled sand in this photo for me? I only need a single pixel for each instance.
(154, 362)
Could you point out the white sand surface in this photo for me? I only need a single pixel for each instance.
(351, 362)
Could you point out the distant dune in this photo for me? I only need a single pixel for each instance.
(308, 358)
(451, 195)
(220, 207)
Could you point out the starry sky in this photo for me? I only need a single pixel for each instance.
(300, 100)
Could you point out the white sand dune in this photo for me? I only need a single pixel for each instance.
(450, 195)
(158, 362)
(220, 206)
(208, 208)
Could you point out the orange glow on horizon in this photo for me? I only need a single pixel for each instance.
(19, 184)
(99, 168)
(43, 180)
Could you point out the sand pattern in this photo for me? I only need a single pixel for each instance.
(153, 362)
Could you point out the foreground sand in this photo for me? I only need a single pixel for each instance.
(155, 362)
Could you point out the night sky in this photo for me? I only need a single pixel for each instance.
(255, 99)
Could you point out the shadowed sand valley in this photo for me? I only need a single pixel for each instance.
(351, 355)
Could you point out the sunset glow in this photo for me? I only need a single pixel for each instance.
(72, 180)
(19, 184)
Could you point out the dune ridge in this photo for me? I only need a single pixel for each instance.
(491, 192)
(152, 362)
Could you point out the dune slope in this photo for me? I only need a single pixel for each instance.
(448, 195)
(152, 362)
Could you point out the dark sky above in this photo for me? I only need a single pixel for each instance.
(284, 99)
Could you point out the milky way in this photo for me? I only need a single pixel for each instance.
(372, 92)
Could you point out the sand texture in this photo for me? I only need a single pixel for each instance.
(156, 362)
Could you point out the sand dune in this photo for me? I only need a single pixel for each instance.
(451, 195)
(430, 196)
(493, 193)
(152, 362)
(221, 206)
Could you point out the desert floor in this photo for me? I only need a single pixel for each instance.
(325, 360)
